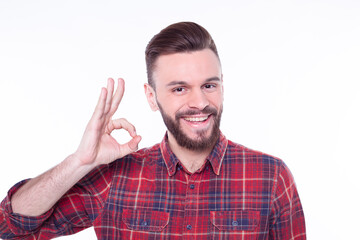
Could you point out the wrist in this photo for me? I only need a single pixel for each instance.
(79, 163)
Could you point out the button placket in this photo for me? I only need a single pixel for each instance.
(191, 206)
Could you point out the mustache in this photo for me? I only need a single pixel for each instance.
(207, 110)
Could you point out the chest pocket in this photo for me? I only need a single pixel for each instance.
(235, 220)
(144, 220)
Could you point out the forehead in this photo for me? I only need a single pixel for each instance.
(190, 67)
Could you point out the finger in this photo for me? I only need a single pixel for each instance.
(110, 90)
(130, 147)
(133, 144)
(122, 123)
(119, 93)
(99, 109)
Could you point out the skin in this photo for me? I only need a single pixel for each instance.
(96, 147)
(188, 81)
(183, 81)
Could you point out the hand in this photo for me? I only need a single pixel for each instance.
(97, 145)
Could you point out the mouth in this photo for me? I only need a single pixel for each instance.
(196, 119)
(197, 123)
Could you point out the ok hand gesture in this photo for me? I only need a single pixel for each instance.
(97, 145)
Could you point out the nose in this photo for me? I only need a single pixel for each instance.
(198, 100)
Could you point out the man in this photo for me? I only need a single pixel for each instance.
(195, 184)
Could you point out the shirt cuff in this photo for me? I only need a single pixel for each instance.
(21, 224)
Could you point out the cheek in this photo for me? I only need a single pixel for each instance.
(170, 105)
(216, 100)
(172, 101)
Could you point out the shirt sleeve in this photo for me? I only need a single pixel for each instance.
(287, 220)
(75, 211)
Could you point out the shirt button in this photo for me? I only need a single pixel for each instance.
(192, 186)
(144, 223)
(235, 223)
(189, 227)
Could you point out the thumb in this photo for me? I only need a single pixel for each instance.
(131, 146)
(134, 143)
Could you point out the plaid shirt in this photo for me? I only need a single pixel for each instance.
(237, 194)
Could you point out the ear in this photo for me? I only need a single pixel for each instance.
(151, 97)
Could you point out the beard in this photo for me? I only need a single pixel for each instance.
(201, 142)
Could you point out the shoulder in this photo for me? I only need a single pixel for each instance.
(255, 161)
(238, 151)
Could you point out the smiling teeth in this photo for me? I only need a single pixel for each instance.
(196, 119)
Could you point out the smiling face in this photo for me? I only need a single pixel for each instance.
(189, 95)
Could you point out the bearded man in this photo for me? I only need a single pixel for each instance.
(195, 184)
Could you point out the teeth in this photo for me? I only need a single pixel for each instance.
(196, 119)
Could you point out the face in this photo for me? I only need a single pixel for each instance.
(189, 95)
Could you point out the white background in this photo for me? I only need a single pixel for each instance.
(291, 73)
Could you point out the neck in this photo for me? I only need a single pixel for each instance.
(190, 159)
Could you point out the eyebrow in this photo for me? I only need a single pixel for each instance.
(174, 83)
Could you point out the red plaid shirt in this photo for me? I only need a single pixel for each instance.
(238, 194)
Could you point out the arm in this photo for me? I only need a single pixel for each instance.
(97, 147)
(287, 217)
(74, 211)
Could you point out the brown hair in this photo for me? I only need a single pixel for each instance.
(176, 38)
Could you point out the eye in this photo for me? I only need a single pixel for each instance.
(178, 90)
(210, 86)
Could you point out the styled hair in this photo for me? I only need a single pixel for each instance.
(177, 38)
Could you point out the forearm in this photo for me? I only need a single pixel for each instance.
(97, 147)
(41, 193)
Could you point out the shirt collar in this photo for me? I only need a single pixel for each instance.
(215, 158)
